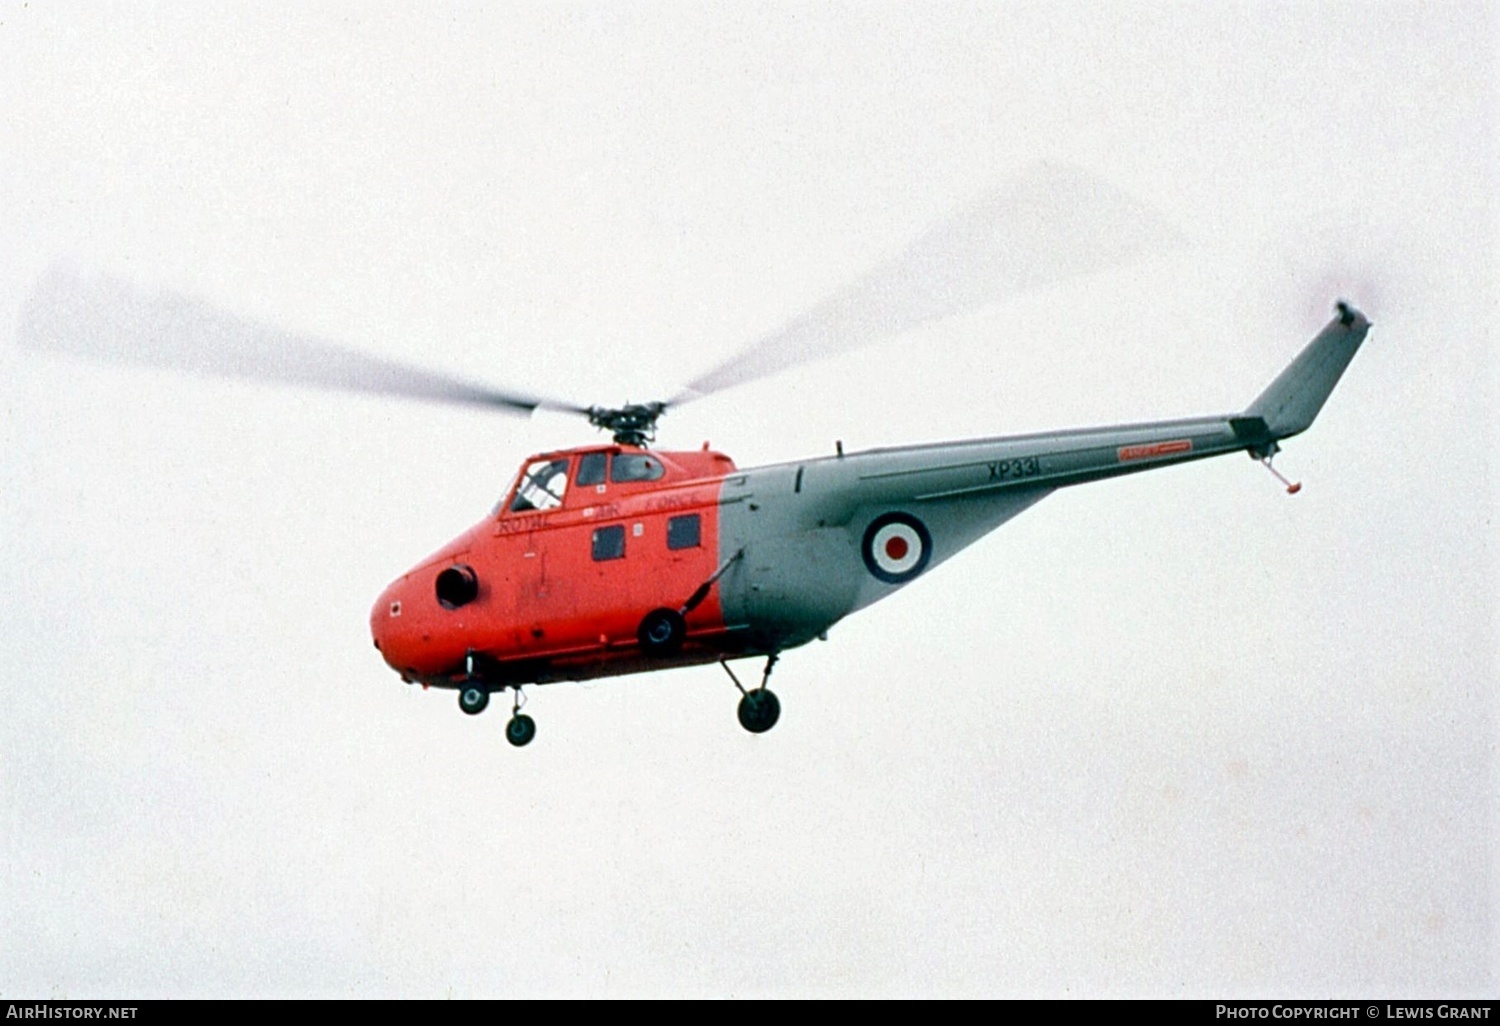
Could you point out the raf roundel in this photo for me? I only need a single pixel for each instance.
(896, 548)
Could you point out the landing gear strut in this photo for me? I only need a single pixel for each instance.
(759, 709)
(521, 728)
(473, 696)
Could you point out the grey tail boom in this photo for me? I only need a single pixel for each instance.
(1291, 402)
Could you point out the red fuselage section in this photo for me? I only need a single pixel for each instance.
(553, 585)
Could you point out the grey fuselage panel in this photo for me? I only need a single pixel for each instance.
(803, 530)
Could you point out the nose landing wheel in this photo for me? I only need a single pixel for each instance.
(473, 699)
(520, 730)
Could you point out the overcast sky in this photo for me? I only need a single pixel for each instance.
(1178, 734)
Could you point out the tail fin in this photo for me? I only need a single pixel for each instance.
(1299, 392)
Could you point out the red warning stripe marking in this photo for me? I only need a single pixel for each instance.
(1143, 452)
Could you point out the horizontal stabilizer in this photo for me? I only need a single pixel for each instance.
(1299, 392)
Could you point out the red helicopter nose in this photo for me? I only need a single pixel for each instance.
(386, 624)
(421, 623)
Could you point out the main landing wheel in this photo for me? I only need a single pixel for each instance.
(472, 699)
(759, 710)
(662, 631)
(520, 730)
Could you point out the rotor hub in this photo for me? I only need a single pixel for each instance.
(631, 424)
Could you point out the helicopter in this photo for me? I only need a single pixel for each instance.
(619, 558)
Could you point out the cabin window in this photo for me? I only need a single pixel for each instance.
(591, 469)
(542, 486)
(609, 542)
(631, 466)
(684, 532)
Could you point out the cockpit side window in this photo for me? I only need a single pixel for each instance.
(543, 484)
(630, 466)
(591, 469)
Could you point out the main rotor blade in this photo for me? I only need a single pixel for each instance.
(101, 318)
(1047, 225)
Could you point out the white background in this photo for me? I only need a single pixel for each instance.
(1178, 734)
